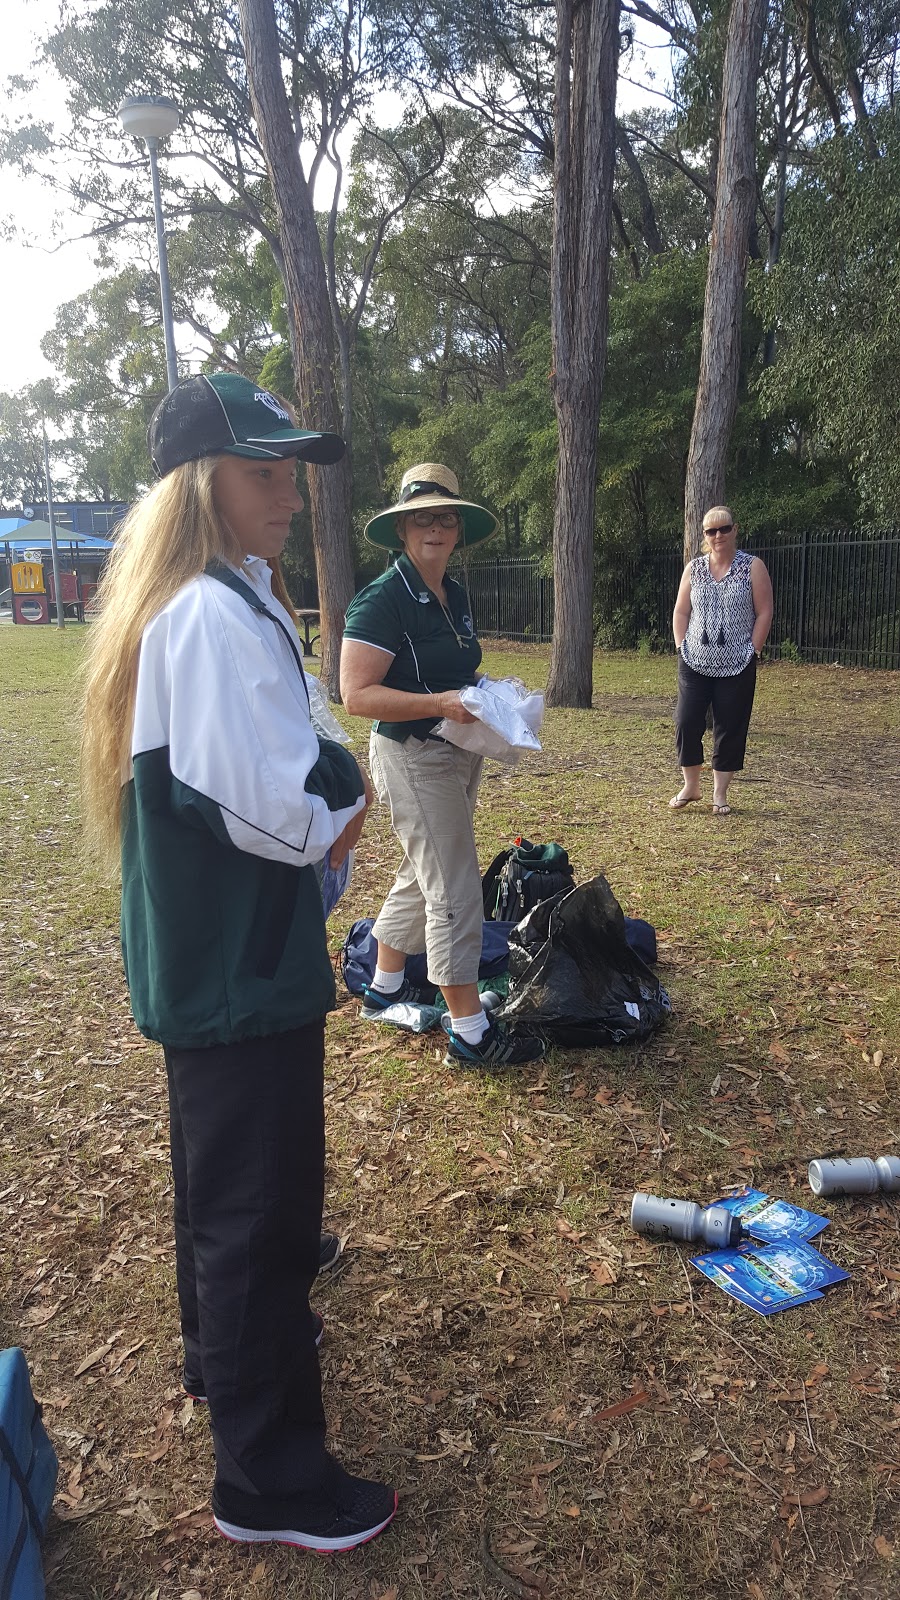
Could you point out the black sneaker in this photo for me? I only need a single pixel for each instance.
(377, 1000)
(194, 1387)
(498, 1046)
(345, 1513)
(329, 1250)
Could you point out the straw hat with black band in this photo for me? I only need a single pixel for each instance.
(431, 487)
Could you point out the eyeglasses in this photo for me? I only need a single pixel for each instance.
(721, 527)
(424, 519)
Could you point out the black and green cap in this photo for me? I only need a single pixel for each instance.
(222, 413)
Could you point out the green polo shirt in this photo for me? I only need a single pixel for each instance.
(430, 651)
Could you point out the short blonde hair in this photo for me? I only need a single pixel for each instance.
(717, 511)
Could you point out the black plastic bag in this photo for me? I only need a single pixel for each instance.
(575, 979)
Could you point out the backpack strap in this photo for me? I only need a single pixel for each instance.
(18, 1476)
(7, 1577)
(224, 575)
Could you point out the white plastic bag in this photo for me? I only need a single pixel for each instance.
(321, 715)
(508, 718)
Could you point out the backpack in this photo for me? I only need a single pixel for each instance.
(28, 1468)
(518, 879)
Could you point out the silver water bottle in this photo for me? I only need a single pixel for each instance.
(855, 1175)
(662, 1219)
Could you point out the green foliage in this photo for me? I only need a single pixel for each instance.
(441, 253)
(21, 450)
(833, 298)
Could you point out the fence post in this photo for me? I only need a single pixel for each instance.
(497, 561)
(541, 583)
(801, 606)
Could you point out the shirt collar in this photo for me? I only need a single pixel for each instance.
(413, 579)
(255, 570)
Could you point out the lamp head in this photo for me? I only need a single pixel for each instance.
(149, 116)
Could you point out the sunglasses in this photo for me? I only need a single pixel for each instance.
(424, 519)
(721, 527)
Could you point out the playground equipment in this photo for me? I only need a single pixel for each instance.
(29, 595)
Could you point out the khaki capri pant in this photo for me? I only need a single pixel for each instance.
(435, 902)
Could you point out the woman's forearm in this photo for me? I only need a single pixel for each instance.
(761, 629)
(391, 705)
(680, 621)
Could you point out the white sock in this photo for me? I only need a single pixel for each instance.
(472, 1029)
(387, 982)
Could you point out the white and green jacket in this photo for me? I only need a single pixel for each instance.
(231, 798)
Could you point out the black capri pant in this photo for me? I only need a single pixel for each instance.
(732, 702)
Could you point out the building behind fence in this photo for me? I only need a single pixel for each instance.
(837, 597)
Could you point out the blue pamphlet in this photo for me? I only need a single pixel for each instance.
(770, 1219)
(333, 880)
(770, 1277)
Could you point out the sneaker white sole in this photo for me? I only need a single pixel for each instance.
(302, 1541)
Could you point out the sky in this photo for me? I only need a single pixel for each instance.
(35, 279)
(48, 264)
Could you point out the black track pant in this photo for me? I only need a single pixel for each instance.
(732, 702)
(248, 1158)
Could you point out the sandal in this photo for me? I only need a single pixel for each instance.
(681, 800)
(720, 809)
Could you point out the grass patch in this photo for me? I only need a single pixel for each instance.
(493, 1304)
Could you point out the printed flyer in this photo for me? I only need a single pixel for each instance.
(770, 1277)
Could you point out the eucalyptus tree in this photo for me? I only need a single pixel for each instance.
(544, 81)
(21, 453)
(735, 205)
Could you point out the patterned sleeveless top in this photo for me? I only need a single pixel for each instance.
(719, 641)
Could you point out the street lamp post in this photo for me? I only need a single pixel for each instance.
(54, 547)
(151, 118)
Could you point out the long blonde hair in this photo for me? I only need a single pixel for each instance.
(166, 539)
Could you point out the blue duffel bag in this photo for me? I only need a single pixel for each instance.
(28, 1468)
(361, 949)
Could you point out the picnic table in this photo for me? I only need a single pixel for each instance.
(307, 619)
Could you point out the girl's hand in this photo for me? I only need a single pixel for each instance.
(349, 839)
(450, 706)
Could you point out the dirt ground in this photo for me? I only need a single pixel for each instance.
(566, 1409)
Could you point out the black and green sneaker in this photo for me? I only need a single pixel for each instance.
(377, 1000)
(498, 1046)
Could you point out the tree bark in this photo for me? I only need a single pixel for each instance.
(720, 351)
(309, 319)
(587, 48)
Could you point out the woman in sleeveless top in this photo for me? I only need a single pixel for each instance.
(721, 621)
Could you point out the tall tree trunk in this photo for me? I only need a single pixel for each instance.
(776, 232)
(720, 351)
(309, 319)
(587, 49)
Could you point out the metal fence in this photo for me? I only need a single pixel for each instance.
(837, 597)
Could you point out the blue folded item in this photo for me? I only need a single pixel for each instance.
(770, 1277)
(28, 1469)
(360, 951)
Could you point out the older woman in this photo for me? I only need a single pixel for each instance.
(721, 622)
(409, 647)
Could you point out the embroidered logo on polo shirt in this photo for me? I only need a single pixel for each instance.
(273, 404)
